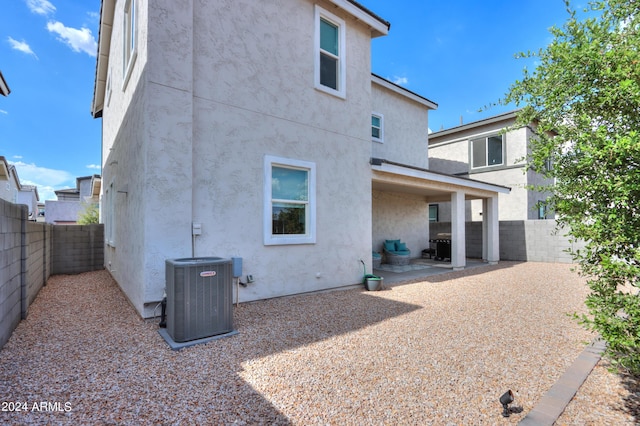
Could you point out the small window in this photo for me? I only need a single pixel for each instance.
(289, 216)
(433, 212)
(129, 39)
(542, 209)
(487, 152)
(377, 130)
(329, 53)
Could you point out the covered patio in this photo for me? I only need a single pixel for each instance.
(424, 187)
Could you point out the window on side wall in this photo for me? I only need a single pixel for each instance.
(433, 212)
(329, 53)
(129, 39)
(487, 152)
(377, 127)
(290, 209)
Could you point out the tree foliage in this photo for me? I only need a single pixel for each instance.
(584, 96)
(89, 215)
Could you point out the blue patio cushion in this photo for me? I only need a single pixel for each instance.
(376, 255)
(401, 246)
(390, 245)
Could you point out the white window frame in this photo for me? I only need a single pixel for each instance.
(281, 239)
(129, 40)
(485, 140)
(381, 117)
(321, 13)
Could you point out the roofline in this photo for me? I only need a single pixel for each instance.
(107, 8)
(402, 91)
(381, 27)
(4, 87)
(490, 120)
(404, 169)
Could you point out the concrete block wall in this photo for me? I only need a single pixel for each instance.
(38, 257)
(77, 248)
(12, 293)
(520, 240)
(28, 257)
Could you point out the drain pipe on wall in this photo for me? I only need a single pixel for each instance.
(196, 229)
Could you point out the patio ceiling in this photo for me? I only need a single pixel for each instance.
(434, 187)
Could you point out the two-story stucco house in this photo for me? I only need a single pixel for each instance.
(256, 130)
(483, 150)
(72, 202)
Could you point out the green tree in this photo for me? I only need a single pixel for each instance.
(89, 215)
(584, 96)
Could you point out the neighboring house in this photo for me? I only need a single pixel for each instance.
(483, 150)
(256, 130)
(4, 87)
(12, 190)
(72, 202)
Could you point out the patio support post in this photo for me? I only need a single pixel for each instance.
(490, 230)
(458, 247)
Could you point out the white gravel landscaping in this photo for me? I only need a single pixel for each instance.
(440, 351)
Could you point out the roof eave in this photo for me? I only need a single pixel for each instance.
(107, 9)
(402, 91)
(379, 27)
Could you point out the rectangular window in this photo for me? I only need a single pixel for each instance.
(377, 131)
(433, 212)
(487, 152)
(129, 39)
(329, 52)
(289, 216)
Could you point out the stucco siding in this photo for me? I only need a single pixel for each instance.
(224, 84)
(400, 216)
(405, 124)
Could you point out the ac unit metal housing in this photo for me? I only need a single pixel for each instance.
(199, 297)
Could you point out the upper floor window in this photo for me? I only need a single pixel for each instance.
(329, 53)
(377, 128)
(289, 216)
(129, 38)
(487, 152)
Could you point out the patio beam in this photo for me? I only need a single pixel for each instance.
(458, 245)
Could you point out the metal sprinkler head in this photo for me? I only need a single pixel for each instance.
(505, 400)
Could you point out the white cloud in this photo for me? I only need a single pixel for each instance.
(80, 40)
(41, 7)
(400, 80)
(22, 46)
(47, 180)
(93, 166)
(3, 112)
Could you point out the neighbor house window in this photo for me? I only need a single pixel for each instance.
(129, 40)
(487, 152)
(330, 53)
(377, 129)
(542, 209)
(433, 212)
(290, 212)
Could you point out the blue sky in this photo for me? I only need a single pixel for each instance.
(457, 53)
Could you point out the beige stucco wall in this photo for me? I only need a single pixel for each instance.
(400, 216)
(222, 85)
(406, 128)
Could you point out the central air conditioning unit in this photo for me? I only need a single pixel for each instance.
(199, 297)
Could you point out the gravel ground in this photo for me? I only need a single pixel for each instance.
(440, 351)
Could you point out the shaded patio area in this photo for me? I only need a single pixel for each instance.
(419, 269)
